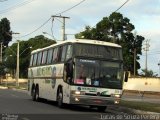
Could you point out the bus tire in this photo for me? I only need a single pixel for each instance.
(33, 94)
(101, 108)
(37, 94)
(60, 98)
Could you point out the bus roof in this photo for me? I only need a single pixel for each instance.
(86, 41)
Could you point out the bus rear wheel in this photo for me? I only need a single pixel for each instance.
(60, 98)
(35, 94)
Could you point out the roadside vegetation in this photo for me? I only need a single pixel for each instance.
(144, 106)
(22, 86)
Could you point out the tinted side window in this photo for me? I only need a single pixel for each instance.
(31, 60)
(69, 52)
(55, 55)
(63, 53)
(34, 59)
(44, 57)
(49, 56)
(39, 58)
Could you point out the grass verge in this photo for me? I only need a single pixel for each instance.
(145, 106)
(13, 85)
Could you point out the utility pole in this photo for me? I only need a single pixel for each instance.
(1, 62)
(17, 70)
(159, 68)
(1, 52)
(146, 49)
(63, 25)
(135, 50)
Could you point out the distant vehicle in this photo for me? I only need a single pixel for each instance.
(81, 71)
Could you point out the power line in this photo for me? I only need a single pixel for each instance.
(121, 6)
(36, 28)
(71, 7)
(50, 18)
(16, 6)
(151, 54)
(154, 51)
(3, 0)
(118, 8)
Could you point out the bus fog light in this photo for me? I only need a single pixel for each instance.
(116, 102)
(76, 99)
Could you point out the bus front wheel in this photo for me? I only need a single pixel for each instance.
(60, 98)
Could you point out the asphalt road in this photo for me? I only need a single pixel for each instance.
(18, 105)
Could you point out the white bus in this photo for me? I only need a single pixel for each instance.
(81, 71)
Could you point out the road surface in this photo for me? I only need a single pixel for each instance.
(18, 105)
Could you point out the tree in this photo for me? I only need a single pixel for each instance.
(117, 29)
(24, 53)
(2, 72)
(5, 38)
(148, 73)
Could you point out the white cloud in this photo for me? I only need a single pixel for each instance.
(143, 14)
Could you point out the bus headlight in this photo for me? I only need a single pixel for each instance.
(75, 92)
(116, 95)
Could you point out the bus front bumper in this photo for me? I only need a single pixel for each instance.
(93, 100)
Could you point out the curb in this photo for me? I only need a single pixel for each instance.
(19, 90)
(15, 89)
(2, 87)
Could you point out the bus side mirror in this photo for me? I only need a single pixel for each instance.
(126, 76)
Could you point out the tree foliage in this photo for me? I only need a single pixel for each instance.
(5, 38)
(148, 73)
(117, 29)
(24, 53)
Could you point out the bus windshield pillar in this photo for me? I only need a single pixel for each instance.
(69, 71)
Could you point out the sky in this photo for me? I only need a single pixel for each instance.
(26, 16)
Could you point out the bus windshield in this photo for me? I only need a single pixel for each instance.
(98, 73)
(98, 51)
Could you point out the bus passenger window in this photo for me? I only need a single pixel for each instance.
(44, 57)
(34, 59)
(63, 53)
(31, 61)
(39, 58)
(55, 55)
(49, 56)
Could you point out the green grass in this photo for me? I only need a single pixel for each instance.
(145, 106)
